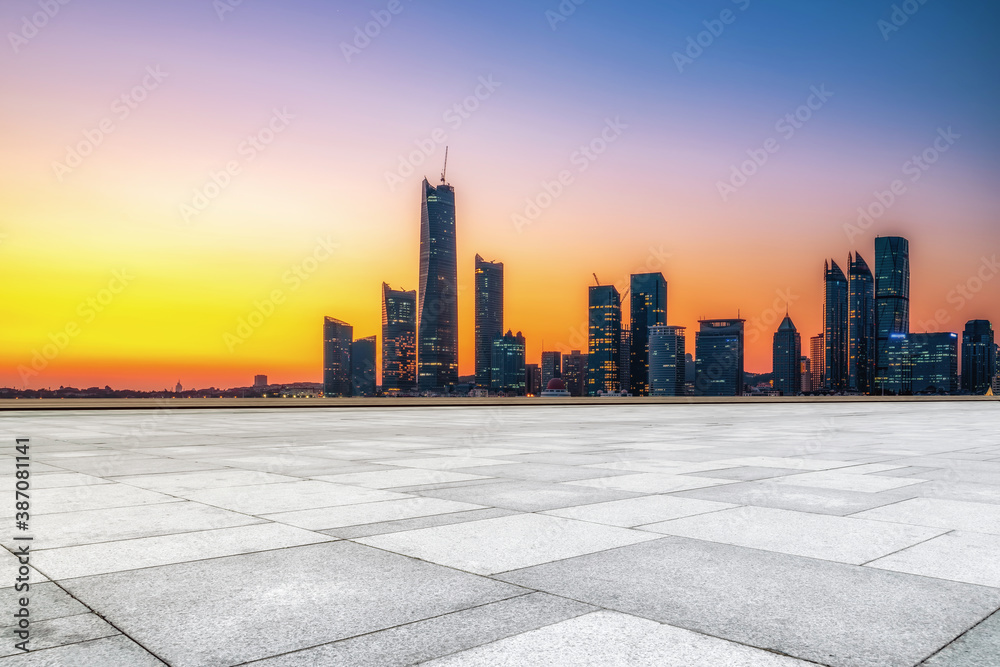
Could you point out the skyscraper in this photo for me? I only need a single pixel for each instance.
(835, 327)
(817, 363)
(574, 372)
(363, 367)
(648, 308)
(508, 369)
(892, 298)
(624, 356)
(806, 370)
(922, 363)
(979, 360)
(437, 323)
(666, 360)
(551, 367)
(861, 326)
(719, 357)
(787, 358)
(604, 340)
(533, 379)
(489, 316)
(399, 339)
(337, 339)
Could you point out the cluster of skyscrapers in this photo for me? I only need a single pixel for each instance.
(866, 346)
(420, 328)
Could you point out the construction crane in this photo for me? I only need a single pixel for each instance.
(598, 281)
(445, 170)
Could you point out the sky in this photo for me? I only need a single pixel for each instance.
(189, 187)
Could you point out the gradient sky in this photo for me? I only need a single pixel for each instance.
(650, 200)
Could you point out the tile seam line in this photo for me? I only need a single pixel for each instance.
(184, 532)
(942, 534)
(965, 632)
(58, 618)
(527, 592)
(617, 611)
(88, 641)
(329, 540)
(59, 585)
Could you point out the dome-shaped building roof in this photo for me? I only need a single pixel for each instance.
(556, 384)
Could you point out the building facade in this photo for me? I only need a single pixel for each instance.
(667, 360)
(574, 373)
(363, 367)
(719, 347)
(551, 367)
(337, 339)
(817, 362)
(624, 359)
(604, 342)
(860, 326)
(892, 299)
(489, 316)
(437, 307)
(533, 379)
(399, 340)
(648, 307)
(922, 363)
(508, 367)
(835, 321)
(805, 366)
(787, 358)
(979, 356)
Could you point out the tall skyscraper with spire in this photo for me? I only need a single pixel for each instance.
(835, 321)
(892, 298)
(437, 308)
(648, 308)
(861, 326)
(489, 316)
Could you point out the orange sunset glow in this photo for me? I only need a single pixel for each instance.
(167, 174)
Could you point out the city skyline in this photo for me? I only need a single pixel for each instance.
(139, 257)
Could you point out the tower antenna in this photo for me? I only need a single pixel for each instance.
(445, 170)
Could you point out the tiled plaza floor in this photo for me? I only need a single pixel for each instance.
(775, 534)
